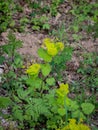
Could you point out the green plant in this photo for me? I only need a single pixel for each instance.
(5, 102)
(18, 7)
(10, 49)
(38, 107)
(35, 5)
(59, 32)
(85, 13)
(30, 105)
(23, 23)
(40, 23)
(6, 14)
(53, 7)
(37, 103)
(12, 59)
(88, 69)
(59, 62)
(71, 108)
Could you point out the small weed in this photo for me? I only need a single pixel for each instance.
(60, 33)
(6, 14)
(40, 23)
(85, 18)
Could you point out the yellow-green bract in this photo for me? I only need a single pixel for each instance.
(33, 69)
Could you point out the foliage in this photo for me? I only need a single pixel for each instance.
(40, 23)
(85, 106)
(59, 32)
(6, 13)
(88, 69)
(68, 106)
(4, 102)
(54, 6)
(23, 23)
(12, 59)
(35, 100)
(85, 13)
(50, 49)
(84, 16)
(59, 61)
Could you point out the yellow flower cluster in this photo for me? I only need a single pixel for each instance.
(74, 126)
(52, 48)
(63, 90)
(33, 69)
(60, 46)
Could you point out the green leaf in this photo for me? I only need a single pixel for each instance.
(16, 99)
(23, 94)
(5, 102)
(44, 55)
(50, 81)
(73, 106)
(18, 113)
(46, 26)
(34, 83)
(2, 58)
(76, 37)
(59, 61)
(87, 108)
(18, 61)
(24, 20)
(46, 69)
(76, 28)
(61, 111)
(78, 114)
(7, 49)
(36, 27)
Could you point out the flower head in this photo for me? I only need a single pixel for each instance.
(47, 40)
(33, 69)
(72, 121)
(51, 49)
(60, 46)
(63, 90)
(83, 127)
(75, 126)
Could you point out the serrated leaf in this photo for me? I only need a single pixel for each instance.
(5, 102)
(78, 114)
(44, 55)
(18, 61)
(46, 69)
(34, 83)
(50, 81)
(23, 94)
(2, 58)
(16, 99)
(18, 113)
(59, 61)
(73, 106)
(87, 108)
(46, 26)
(61, 111)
